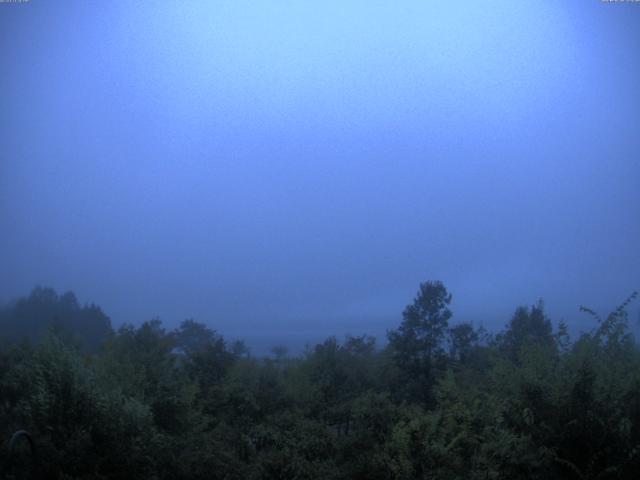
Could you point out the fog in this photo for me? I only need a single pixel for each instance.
(285, 171)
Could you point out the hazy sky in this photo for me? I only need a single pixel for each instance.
(294, 169)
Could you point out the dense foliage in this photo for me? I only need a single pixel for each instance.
(439, 401)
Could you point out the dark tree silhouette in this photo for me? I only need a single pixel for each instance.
(462, 339)
(527, 326)
(418, 340)
(31, 318)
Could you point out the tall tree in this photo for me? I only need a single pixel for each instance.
(418, 340)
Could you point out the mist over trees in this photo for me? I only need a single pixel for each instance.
(31, 318)
(441, 400)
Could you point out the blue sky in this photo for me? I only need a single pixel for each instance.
(295, 169)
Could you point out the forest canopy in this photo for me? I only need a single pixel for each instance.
(440, 400)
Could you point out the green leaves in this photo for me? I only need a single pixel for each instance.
(162, 405)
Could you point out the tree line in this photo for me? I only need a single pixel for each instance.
(440, 400)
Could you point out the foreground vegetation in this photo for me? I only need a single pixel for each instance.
(439, 401)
